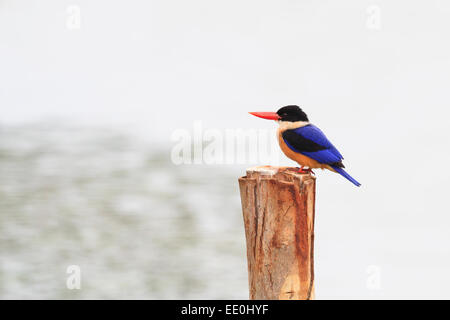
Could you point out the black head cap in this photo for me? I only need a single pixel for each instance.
(292, 114)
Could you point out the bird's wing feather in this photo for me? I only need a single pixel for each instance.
(312, 142)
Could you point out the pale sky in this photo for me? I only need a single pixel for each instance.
(163, 64)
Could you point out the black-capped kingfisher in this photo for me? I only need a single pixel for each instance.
(304, 143)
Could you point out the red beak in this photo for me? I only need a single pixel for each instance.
(266, 115)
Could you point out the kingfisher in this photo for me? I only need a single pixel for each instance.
(305, 143)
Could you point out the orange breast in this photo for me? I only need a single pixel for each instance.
(301, 159)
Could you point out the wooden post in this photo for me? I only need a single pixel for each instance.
(278, 209)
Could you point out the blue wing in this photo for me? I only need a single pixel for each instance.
(312, 142)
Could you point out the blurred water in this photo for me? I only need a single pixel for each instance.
(137, 226)
(141, 227)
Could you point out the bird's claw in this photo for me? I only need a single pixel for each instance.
(301, 170)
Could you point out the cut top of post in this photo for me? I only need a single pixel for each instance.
(287, 174)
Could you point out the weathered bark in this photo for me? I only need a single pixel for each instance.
(278, 209)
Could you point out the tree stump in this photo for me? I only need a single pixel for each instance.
(278, 210)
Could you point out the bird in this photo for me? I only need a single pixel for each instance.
(305, 143)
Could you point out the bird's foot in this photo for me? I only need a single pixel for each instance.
(302, 170)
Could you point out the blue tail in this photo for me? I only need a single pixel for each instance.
(343, 173)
